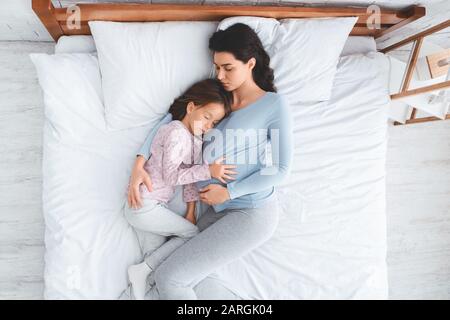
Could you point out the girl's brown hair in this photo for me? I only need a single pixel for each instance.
(202, 93)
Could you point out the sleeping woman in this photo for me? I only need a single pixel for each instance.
(176, 160)
(243, 213)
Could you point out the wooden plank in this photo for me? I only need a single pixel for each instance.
(362, 31)
(46, 12)
(422, 34)
(83, 30)
(421, 120)
(412, 64)
(413, 92)
(433, 63)
(413, 114)
(161, 12)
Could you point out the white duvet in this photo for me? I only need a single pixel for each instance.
(331, 239)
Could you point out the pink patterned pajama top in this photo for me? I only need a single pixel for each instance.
(176, 159)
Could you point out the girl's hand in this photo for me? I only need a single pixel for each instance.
(190, 212)
(191, 218)
(138, 176)
(214, 194)
(221, 171)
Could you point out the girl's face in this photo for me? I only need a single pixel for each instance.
(200, 119)
(232, 72)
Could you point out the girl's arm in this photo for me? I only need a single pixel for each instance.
(138, 174)
(145, 148)
(177, 149)
(190, 212)
(282, 146)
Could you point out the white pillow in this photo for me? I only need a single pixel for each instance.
(303, 52)
(358, 45)
(145, 66)
(75, 44)
(71, 85)
(88, 243)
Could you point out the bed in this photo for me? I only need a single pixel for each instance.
(331, 239)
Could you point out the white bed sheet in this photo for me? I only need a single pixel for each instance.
(331, 240)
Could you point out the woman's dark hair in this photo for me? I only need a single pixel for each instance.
(243, 42)
(201, 93)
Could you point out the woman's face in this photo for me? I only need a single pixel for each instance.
(200, 119)
(232, 72)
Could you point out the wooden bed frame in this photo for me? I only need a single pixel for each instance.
(55, 20)
(417, 41)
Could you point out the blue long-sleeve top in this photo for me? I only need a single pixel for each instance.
(242, 138)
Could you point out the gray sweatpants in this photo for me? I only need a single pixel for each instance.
(154, 223)
(224, 237)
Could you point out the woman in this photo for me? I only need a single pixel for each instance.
(244, 212)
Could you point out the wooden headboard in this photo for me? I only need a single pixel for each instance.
(55, 19)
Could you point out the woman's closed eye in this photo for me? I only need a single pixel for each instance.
(227, 69)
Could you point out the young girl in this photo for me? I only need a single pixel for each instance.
(177, 160)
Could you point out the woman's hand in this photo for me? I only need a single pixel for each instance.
(138, 176)
(221, 171)
(214, 194)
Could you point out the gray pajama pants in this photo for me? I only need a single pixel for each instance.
(223, 237)
(154, 223)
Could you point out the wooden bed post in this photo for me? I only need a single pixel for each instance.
(46, 13)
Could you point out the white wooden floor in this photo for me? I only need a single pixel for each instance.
(418, 192)
(418, 210)
(21, 221)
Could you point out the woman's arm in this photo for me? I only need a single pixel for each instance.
(282, 146)
(280, 134)
(138, 176)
